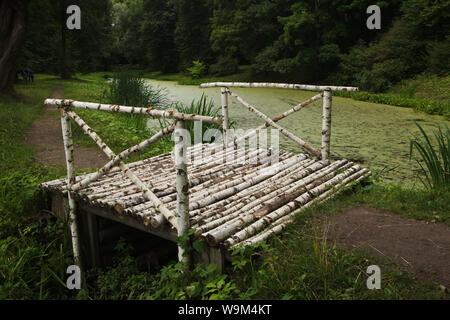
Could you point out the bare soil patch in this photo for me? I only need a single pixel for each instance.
(45, 137)
(421, 247)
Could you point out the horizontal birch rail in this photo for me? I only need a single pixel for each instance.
(276, 85)
(272, 123)
(154, 113)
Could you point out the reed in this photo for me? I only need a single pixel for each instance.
(434, 158)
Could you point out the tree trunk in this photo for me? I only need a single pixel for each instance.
(13, 20)
(63, 67)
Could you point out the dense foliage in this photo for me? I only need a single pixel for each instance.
(288, 40)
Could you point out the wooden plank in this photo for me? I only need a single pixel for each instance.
(59, 205)
(94, 249)
(217, 257)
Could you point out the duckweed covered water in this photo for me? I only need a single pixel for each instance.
(374, 135)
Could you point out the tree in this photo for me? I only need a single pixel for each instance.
(158, 35)
(192, 31)
(13, 21)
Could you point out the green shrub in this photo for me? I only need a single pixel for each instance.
(125, 281)
(434, 158)
(197, 70)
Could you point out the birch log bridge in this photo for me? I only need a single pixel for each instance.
(231, 194)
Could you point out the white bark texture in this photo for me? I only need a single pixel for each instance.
(114, 162)
(224, 98)
(68, 148)
(288, 134)
(149, 195)
(326, 124)
(276, 85)
(182, 184)
(280, 224)
(154, 113)
(279, 117)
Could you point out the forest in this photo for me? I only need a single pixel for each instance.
(311, 41)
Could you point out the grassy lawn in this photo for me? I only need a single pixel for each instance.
(35, 252)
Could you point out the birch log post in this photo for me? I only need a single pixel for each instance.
(288, 134)
(326, 125)
(182, 184)
(68, 148)
(224, 96)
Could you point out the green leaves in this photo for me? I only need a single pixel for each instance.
(197, 70)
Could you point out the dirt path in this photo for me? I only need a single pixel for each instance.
(45, 137)
(421, 247)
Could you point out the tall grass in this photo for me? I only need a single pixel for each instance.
(434, 159)
(204, 107)
(127, 88)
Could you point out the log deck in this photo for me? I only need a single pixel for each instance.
(237, 202)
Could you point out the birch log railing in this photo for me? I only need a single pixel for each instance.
(180, 219)
(326, 94)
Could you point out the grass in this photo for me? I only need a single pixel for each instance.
(202, 106)
(419, 104)
(435, 161)
(35, 250)
(303, 264)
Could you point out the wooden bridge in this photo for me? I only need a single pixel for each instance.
(230, 194)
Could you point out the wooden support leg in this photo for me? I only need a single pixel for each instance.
(210, 255)
(182, 184)
(94, 249)
(216, 257)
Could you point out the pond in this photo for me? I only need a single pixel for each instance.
(374, 135)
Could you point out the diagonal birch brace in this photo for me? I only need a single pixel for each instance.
(114, 162)
(148, 194)
(279, 117)
(288, 134)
